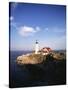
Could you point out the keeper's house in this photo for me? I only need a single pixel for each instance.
(46, 50)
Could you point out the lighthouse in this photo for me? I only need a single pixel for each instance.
(36, 47)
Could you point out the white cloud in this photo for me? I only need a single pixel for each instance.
(37, 28)
(14, 5)
(46, 29)
(58, 30)
(11, 18)
(55, 30)
(28, 31)
(13, 23)
(54, 43)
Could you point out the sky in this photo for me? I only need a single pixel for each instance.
(30, 22)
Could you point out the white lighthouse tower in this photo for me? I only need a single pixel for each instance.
(36, 47)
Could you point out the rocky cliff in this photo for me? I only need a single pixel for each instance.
(38, 58)
(30, 59)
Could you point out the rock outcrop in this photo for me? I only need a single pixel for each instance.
(59, 56)
(39, 58)
(30, 59)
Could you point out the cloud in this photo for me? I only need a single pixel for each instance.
(28, 31)
(14, 5)
(37, 28)
(13, 23)
(58, 30)
(55, 30)
(46, 29)
(11, 18)
(54, 43)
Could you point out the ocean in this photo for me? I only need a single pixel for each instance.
(45, 74)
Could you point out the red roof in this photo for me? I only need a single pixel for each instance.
(46, 49)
